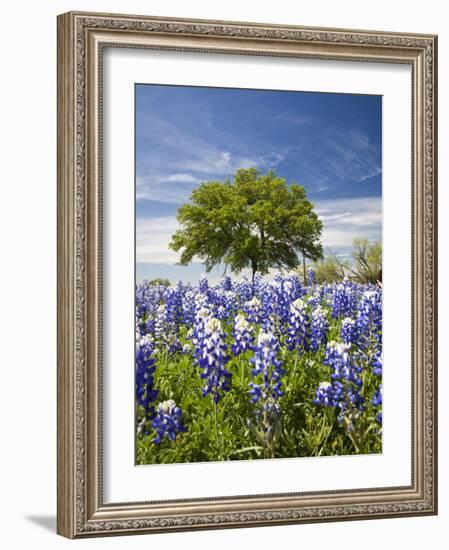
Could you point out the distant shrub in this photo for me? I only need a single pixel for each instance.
(159, 281)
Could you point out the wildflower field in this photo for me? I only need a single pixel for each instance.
(266, 369)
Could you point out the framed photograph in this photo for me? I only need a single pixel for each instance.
(246, 274)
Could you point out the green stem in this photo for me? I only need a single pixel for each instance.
(217, 441)
(294, 366)
(330, 423)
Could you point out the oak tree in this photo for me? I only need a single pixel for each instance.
(256, 221)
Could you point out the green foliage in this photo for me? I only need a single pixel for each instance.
(366, 267)
(160, 281)
(367, 260)
(329, 270)
(257, 221)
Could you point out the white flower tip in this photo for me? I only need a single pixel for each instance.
(167, 406)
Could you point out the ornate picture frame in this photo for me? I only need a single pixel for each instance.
(82, 38)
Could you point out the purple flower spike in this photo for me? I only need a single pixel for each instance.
(167, 421)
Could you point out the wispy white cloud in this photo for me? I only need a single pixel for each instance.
(208, 160)
(345, 219)
(350, 155)
(183, 148)
(182, 178)
(172, 189)
(272, 159)
(336, 158)
(185, 145)
(194, 138)
(293, 119)
(152, 238)
(200, 164)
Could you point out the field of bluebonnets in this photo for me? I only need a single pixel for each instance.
(263, 369)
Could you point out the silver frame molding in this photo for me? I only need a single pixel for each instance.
(81, 39)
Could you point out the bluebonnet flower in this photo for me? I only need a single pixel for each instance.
(266, 424)
(147, 299)
(213, 359)
(337, 356)
(377, 365)
(324, 395)
(203, 284)
(267, 308)
(369, 329)
(160, 322)
(225, 304)
(144, 293)
(200, 300)
(283, 292)
(258, 286)
(377, 399)
(318, 328)
(244, 289)
(294, 286)
(311, 277)
(165, 332)
(348, 332)
(167, 421)
(145, 368)
(278, 299)
(252, 308)
(297, 328)
(344, 392)
(243, 335)
(226, 283)
(198, 332)
(266, 363)
(344, 300)
(189, 306)
(272, 324)
(173, 304)
(186, 349)
(369, 319)
(314, 300)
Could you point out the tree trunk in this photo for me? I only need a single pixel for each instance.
(254, 269)
(304, 268)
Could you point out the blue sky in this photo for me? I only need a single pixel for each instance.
(330, 143)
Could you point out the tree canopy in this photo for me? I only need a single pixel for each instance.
(255, 221)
